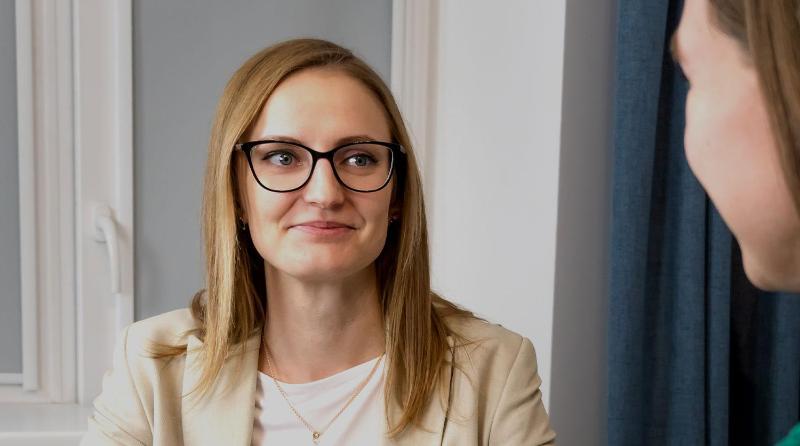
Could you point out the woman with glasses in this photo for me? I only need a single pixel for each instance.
(318, 324)
(742, 60)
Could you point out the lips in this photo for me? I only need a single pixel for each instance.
(321, 224)
(323, 230)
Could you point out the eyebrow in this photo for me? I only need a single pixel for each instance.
(339, 142)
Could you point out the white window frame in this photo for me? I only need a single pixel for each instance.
(102, 57)
(45, 205)
(74, 108)
(413, 69)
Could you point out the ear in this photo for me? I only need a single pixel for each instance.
(394, 213)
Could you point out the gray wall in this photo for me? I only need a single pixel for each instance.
(579, 389)
(10, 306)
(183, 53)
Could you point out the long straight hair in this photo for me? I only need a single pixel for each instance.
(769, 33)
(232, 307)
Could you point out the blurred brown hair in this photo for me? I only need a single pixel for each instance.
(769, 33)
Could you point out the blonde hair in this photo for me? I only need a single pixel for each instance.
(769, 33)
(232, 307)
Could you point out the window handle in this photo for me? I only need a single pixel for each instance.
(106, 231)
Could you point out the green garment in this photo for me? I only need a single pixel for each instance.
(793, 439)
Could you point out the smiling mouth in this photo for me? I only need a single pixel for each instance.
(324, 225)
(323, 228)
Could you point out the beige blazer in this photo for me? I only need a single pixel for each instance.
(499, 403)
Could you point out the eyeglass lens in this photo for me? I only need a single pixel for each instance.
(284, 166)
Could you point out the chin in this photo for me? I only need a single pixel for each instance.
(772, 274)
(316, 271)
(320, 276)
(313, 272)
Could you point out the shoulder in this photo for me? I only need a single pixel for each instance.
(496, 379)
(152, 352)
(486, 339)
(140, 387)
(170, 328)
(490, 355)
(154, 349)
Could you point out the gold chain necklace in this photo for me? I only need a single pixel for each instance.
(316, 434)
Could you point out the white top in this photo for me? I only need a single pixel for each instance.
(362, 422)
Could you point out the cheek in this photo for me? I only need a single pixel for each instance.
(693, 135)
(722, 142)
(731, 150)
(266, 210)
(702, 140)
(375, 212)
(264, 205)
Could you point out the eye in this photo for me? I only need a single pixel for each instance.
(360, 160)
(280, 158)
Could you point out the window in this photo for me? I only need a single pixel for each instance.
(73, 113)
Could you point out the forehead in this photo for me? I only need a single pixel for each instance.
(320, 103)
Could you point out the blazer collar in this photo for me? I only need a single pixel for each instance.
(226, 414)
(433, 422)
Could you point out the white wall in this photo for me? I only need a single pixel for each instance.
(580, 313)
(517, 172)
(493, 163)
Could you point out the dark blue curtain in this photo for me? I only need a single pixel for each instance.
(697, 356)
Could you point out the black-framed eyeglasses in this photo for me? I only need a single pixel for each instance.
(283, 166)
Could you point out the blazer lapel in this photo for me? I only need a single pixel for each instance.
(434, 419)
(225, 414)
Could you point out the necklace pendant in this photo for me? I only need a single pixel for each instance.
(315, 437)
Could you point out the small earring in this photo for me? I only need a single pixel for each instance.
(392, 218)
(242, 224)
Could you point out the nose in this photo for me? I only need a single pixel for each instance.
(323, 189)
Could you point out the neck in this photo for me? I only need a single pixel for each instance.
(314, 330)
